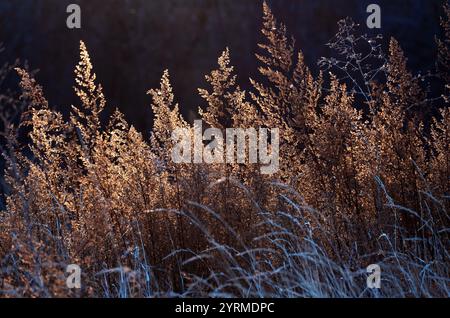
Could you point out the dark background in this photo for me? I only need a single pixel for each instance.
(131, 42)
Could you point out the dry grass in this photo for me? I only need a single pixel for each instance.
(356, 187)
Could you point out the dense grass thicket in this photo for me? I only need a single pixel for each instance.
(364, 179)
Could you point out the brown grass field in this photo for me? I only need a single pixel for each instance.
(364, 179)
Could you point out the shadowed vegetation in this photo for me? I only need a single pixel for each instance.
(364, 179)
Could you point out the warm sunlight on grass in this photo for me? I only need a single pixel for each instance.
(364, 179)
